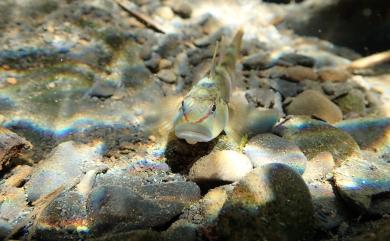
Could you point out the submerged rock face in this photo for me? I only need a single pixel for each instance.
(272, 202)
(314, 137)
(268, 148)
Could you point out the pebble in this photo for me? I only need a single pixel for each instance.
(10, 146)
(167, 75)
(286, 88)
(314, 137)
(209, 39)
(68, 161)
(18, 176)
(268, 148)
(226, 165)
(102, 89)
(136, 75)
(271, 202)
(153, 62)
(372, 134)
(182, 9)
(313, 103)
(352, 104)
(258, 61)
(261, 97)
(165, 12)
(359, 180)
(300, 73)
(319, 167)
(165, 64)
(334, 74)
(291, 59)
(168, 45)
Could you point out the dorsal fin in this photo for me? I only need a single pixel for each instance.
(214, 61)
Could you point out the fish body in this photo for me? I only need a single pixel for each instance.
(204, 113)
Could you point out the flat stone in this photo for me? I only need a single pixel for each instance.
(286, 88)
(167, 76)
(334, 74)
(102, 89)
(258, 61)
(226, 165)
(120, 208)
(300, 73)
(296, 59)
(263, 149)
(313, 103)
(372, 134)
(68, 161)
(360, 179)
(272, 202)
(314, 137)
(10, 146)
(352, 104)
(209, 39)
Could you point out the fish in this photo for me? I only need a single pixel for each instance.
(212, 105)
(204, 112)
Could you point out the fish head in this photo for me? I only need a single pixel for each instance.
(202, 116)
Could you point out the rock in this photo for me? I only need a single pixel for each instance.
(334, 74)
(153, 62)
(102, 89)
(10, 146)
(313, 103)
(165, 64)
(182, 9)
(291, 59)
(66, 162)
(261, 97)
(329, 211)
(286, 88)
(18, 176)
(352, 104)
(268, 148)
(319, 167)
(300, 73)
(136, 75)
(257, 61)
(65, 218)
(209, 39)
(229, 166)
(5, 229)
(167, 76)
(378, 230)
(360, 179)
(372, 134)
(122, 209)
(13, 205)
(335, 90)
(165, 12)
(168, 45)
(314, 137)
(181, 230)
(272, 202)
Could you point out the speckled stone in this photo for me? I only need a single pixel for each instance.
(361, 179)
(314, 137)
(225, 165)
(313, 103)
(263, 149)
(272, 202)
(10, 145)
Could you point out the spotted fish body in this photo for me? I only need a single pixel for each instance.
(204, 112)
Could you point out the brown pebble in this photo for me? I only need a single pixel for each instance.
(300, 73)
(12, 80)
(20, 175)
(334, 74)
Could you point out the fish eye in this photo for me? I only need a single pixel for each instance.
(213, 108)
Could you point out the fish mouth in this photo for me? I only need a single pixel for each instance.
(193, 133)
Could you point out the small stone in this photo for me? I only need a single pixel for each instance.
(271, 202)
(334, 74)
(227, 165)
(352, 104)
(165, 12)
(372, 134)
(359, 180)
(102, 89)
(10, 146)
(334, 89)
(291, 59)
(165, 64)
(167, 76)
(314, 137)
(286, 88)
(181, 230)
(258, 61)
(68, 161)
(18, 176)
(136, 75)
(319, 167)
(268, 148)
(209, 39)
(12, 80)
(313, 103)
(182, 9)
(168, 45)
(300, 73)
(153, 62)
(261, 97)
